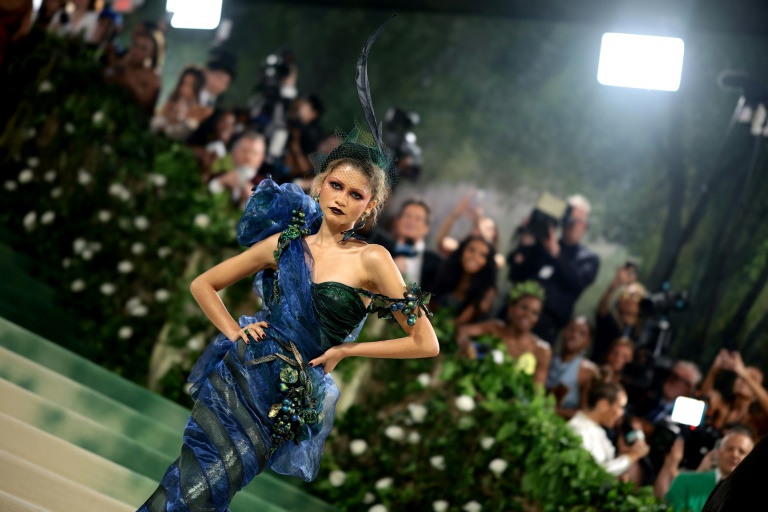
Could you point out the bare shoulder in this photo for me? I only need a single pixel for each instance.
(543, 346)
(589, 366)
(375, 254)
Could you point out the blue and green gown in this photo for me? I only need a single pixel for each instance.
(260, 405)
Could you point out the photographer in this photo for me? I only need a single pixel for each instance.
(604, 408)
(689, 491)
(623, 320)
(749, 397)
(306, 135)
(564, 267)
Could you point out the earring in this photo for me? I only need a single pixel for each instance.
(317, 198)
(350, 233)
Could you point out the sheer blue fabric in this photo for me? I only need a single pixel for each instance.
(227, 439)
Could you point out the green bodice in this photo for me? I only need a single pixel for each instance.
(338, 309)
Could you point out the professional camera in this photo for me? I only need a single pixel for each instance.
(550, 212)
(273, 71)
(663, 302)
(399, 135)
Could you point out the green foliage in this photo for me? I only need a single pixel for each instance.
(114, 217)
(441, 429)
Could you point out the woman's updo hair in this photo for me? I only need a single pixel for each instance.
(377, 179)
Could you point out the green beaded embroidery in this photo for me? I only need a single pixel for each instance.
(296, 229)
(299, 403)
(412, 304)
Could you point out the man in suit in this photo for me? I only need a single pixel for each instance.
(689, 491)
(408, 248)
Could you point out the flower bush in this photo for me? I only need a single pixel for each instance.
(114, 218)
(485, 438)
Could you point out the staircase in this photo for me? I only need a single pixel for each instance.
(75, 437)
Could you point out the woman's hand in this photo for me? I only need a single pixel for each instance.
(255, 330)
(329, 359)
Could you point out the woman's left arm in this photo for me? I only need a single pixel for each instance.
(420, 339)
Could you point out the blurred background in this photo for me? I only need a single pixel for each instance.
(132, 133)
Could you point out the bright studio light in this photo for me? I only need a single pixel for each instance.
(200, 14)
(641, 62)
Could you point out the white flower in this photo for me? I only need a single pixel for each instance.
(141, 310)
(47, 217)
(104, 215)
(79, 245)
(414, 438)
(437, 462)
(77, 285)
(31, 133)
(384, 483)
(94, 246)
(378, 508)
(369, 498)
(394, 432)
(66, 262)
(162, 295)
(498, 356)
(440, 506)
(158, 180)
(10, 185)
(119, 191)
(30, 221)
(33, 161)
(49, 176)
(141, 222)
(358, 446)
(137, 248)
(486, 442)
(132, 303)
(418, 412)
(164, 252)
(465, 403)
(87, 254)
(337, 478)
(97, 117)
(69, 128)
(125, 267)
(83, 177)
(188, 388)
(498, 466)
(196, 343)
(472, 506)
(125, 332)
(424, 379)
(45, 86)
(56, 192)
(202, 220)
(107, 149)
(107, 289)
(26, 176)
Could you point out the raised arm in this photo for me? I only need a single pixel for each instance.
(465, 333)
(445, 243)
(709, 381)
(206, 286)
(420, 339)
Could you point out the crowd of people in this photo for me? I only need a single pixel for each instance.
(616, 397)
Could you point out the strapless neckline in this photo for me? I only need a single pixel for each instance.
(355, 291)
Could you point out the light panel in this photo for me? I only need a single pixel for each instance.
(199, 14)
(641, 62)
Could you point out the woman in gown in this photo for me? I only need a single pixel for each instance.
(263, 396)
(524, 305)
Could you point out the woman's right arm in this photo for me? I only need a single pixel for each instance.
(206, 286)
(465, 333)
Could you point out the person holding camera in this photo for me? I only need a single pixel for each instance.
(749, 397)
(565, 267)
(690, 490)
(604, 408)
(624, 319)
